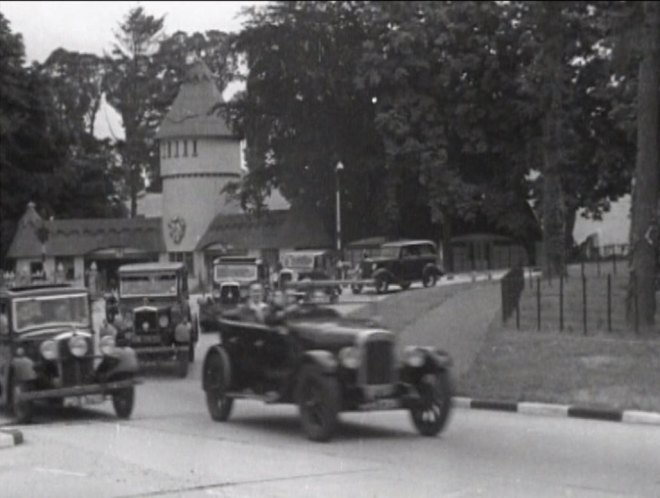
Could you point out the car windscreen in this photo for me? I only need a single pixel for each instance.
(159, 284)
(237, 272)
(35, 312)
(389, 252)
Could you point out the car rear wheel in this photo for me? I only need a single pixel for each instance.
(319, 400)
(216, 378)
(22, 410)
(429, 279)
(431, 414)
(123, 401)
(182, 361)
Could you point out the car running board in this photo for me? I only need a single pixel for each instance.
(269, 397)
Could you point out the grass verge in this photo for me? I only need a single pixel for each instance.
(597, 372)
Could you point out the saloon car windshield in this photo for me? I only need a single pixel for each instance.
(35, 312)
(240, 273)
(162, 284)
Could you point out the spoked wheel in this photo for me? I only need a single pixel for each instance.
(182, 359)
(431, 415)
(22, 410)
(381, 285)
(319, 401)
(123, 401)
(215, 378)
(430, 278)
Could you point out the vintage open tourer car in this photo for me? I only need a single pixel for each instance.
(326, 364)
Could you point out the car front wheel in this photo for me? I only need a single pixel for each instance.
(319, 400)
(381, 285)
(123, 401)
(431, 414)
(22, 410)
(215, 378)
(429, 279)
(356, 289)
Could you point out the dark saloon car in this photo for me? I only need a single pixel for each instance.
(326, 364)
(153, 315)
(401, 263)
(49, 351)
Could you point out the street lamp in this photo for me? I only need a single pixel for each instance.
(338, 169)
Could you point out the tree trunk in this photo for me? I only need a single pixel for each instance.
(553, 199)
(644, 230)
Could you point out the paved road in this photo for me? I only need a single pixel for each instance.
(172, 448)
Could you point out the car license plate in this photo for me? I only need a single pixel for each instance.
(381, 404)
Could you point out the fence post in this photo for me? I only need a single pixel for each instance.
(609, 302)
(538, 304)
(636, 304)
(582, 266)
(561, 302)
(584, 304)
(614, 261)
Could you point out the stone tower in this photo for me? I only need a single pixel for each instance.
(199, 155)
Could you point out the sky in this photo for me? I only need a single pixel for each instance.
(89, 27)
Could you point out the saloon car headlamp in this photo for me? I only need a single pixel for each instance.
(78, 346)
(48, 350)
(349, 357)
(414, 357)
(107, 345)
(163, 321)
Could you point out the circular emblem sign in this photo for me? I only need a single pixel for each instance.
(177, 226)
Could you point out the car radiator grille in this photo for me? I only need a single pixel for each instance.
(77, 371)
(149, 317)
(379, 362)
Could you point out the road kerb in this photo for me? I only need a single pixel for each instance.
(10, 437)
(544, 409)
(637, 417)
(460, 402)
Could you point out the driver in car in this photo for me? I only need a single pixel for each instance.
(255, 309)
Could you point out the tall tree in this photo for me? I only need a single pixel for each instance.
(132, 87)
(645, 239)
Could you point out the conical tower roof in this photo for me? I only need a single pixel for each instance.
(191, 113)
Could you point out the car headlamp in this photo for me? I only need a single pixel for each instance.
(78, 346)
(107, 345)
(349, 357)
(163, 321)
(48, 350)
(414, 357)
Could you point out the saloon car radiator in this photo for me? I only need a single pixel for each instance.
(379, 362)
(148, 316)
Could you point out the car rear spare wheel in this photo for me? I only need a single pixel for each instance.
(431, 414)
(319, 400)
(216, 378)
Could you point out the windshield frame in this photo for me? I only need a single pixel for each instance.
(254, 272)
(60, 297)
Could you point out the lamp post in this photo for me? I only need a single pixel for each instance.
(338, 169)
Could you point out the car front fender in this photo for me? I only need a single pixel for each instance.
(324, 359)
(23, 369)
(126, 362)
(383, 273)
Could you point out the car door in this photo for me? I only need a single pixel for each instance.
(409, 257)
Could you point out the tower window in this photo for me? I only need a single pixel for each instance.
(176, 148)
(194, 151)
(185, 148)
